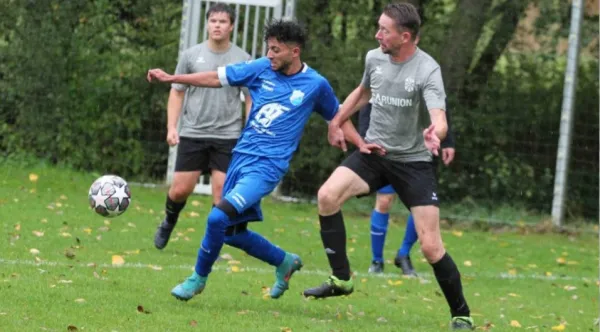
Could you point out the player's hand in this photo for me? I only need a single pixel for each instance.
(172, 137)
(432, 142)
(159, 75)
(448, 155)
(336, 138)
(368, 148)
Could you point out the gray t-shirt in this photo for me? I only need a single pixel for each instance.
(402, 93)
(208, 112)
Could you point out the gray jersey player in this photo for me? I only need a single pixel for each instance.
(407, 123)
(211, 121)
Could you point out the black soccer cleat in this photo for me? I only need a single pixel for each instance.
(404, 263)
(376, 267)
(163, 233)
(332, 287)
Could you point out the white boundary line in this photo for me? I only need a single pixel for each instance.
(324, 273)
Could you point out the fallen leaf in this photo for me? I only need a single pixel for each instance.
(226, 257)
(88, 230)
(468, 263)
(79, 300)
(106, 222)
(561, 260)
(71, 328)
(515, 323)
(193, 323)
(38, 233)
(381, 320)
(569, 288)
(34, 251)
(190, 230)
(155, 268)
(65, 234)
(243, 312)
(33, 177)
(394, 283)
(117, 260)
(195, 203)
(286, 329)
(69, 254)
(194, 214)
(559, 327)
(63, 281)
(235, 268)
(363, 280)
(457, 233)
(512, 272)
(233, 262)
(132, 252)
(548, 274)
(142, 310)
(17, 227)
(514, 295)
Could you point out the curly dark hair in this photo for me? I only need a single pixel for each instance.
(285, 31)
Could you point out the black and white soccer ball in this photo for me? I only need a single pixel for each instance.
(109, 196)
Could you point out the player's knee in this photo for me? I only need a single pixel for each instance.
(217, 218)
(180, 192)
(327, 200)
(432, 250)
(383, 204)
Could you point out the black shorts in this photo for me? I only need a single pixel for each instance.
(415, 182)
(203, 154)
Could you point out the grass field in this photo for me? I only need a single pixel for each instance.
(57, 271)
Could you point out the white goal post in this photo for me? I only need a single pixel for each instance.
(245, 34)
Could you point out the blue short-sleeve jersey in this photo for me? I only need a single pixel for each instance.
(281, 105)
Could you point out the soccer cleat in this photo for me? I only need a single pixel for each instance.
(332, 287)
(163, 232)
(404, 263)
(193, 285)
(291, 263)
(376, 267)
(462, 323)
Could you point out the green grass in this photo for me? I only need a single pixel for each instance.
(71, 281)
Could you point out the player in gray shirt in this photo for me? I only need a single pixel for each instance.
(211, 122)
(408, 121)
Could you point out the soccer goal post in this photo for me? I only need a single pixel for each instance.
(251, 15)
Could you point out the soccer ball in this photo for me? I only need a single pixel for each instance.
(109, 196)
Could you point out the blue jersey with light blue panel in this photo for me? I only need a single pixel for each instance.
(281, 106)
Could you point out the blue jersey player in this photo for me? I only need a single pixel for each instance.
(285, 92)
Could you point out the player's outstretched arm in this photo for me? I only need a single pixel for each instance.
(356, 100)
(208, 79)
(438, 118)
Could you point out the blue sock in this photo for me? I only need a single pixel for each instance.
(213, 241)
(379, 225)
(410, 237)
(257, 246)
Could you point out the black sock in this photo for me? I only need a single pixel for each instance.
(172, 210)
(333, 234)
(448, 278)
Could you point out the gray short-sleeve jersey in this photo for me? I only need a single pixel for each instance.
(208, 112)
(401, 95)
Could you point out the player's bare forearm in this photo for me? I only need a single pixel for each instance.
(351, 134)
(360, 96)
(174, 107)
(438, 118)
(207, 79)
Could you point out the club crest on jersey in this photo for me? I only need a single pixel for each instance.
(409, 84)
(296, 97)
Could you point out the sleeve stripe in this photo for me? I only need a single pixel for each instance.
(222, 76)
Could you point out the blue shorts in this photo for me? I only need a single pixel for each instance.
(386, 190)
(250, 178)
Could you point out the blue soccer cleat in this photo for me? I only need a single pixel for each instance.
(193, 285)
(291, 263)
